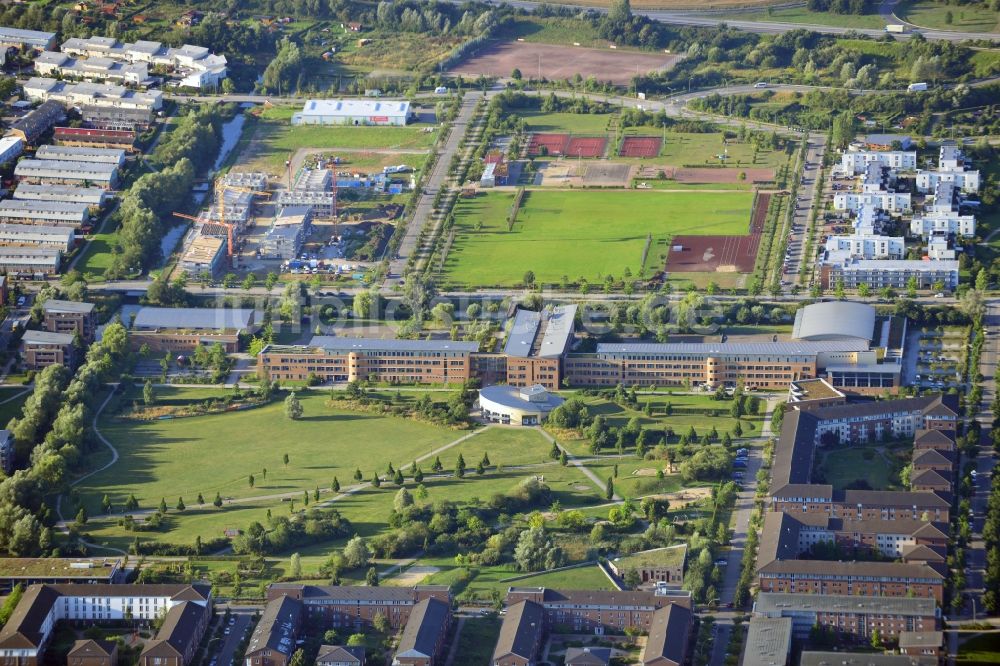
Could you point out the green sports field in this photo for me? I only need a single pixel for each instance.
(579, 235)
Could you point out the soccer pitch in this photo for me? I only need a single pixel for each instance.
(573, 235)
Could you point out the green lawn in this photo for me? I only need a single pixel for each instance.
(97, 255)
(980, 650)
(698, 150)
(477, 640)
(218, 453)
(592, 124)
(579, 235)
(486, 579)
(13, 399)
(275, 139)
(803, 15)
(874, 465)
(504, 446)
(687, 411)
(964, 18)
(554, 30)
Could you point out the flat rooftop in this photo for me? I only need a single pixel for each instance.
(670, 556)
(814, 389)
(56, 567)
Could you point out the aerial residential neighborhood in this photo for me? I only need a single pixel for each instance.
(419, 333)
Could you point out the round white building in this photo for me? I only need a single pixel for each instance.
(513, 405)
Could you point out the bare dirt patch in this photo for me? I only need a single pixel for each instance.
(723, 254)
(606, 175)
(562, 62)
(686, 497)
(412, 576)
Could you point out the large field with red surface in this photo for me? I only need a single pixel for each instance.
(562, 62)
(728, 254)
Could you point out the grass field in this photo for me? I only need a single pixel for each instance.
(964, 18)
(580, 235)
(803, 15)
(209, 454)
(689, 149)
(477, 640)
(275, 139)
(980, 650)
(593, 124)
(554, 30)
(12, 400)
(485, 579)
(875, 466)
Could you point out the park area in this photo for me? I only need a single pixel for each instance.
(174, 458)
(563, 235)
(549, 61)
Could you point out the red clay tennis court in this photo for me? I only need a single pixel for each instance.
(586, 146)
(732, 254)
(641, 146)
(554, 144)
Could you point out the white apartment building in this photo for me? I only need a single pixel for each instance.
(938, 249)
(894, 273)
(943, 222)
(866, 246)
(194, 66)
(91, 94)
(896, 202)
(966, 181)
(100, 69)
(11, 148)
(854, 162)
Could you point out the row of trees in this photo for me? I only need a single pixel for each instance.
(51, 435)
(147, 206)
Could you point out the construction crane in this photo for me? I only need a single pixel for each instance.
(220, 202)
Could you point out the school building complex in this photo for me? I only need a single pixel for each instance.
(845, 342)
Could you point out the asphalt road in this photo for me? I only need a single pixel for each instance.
(688, 18)
(985, 462)
(241, 624)
(436, 180)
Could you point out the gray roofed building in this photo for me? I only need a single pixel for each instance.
(33, 337)
(81, 154)
(180, 633)
(60, 238)
(896, 498)
(92, 196)
(57, 305)
(545, 334)
(58, 212)
(587, 656)
(777, 604)
(805, 348)
(921, 639)
(331, 343)
(203, 319)
(520, 633)
(779, 538)
(277, 629)
(835, 320)
(424, 633)
(863, 659)
(793, 453)
(768, 642)
(340, 655)
(30, 259)
(34, 39)
(894, 570)
(38, 121)
(61, 171)
(669, 631)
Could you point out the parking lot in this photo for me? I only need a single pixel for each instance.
(934, 357)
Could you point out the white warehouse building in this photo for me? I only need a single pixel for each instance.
(352, 112)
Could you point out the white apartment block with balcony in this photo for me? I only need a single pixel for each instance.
(854, 162)
(866, 246)
(895, 202)
(943, 222)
